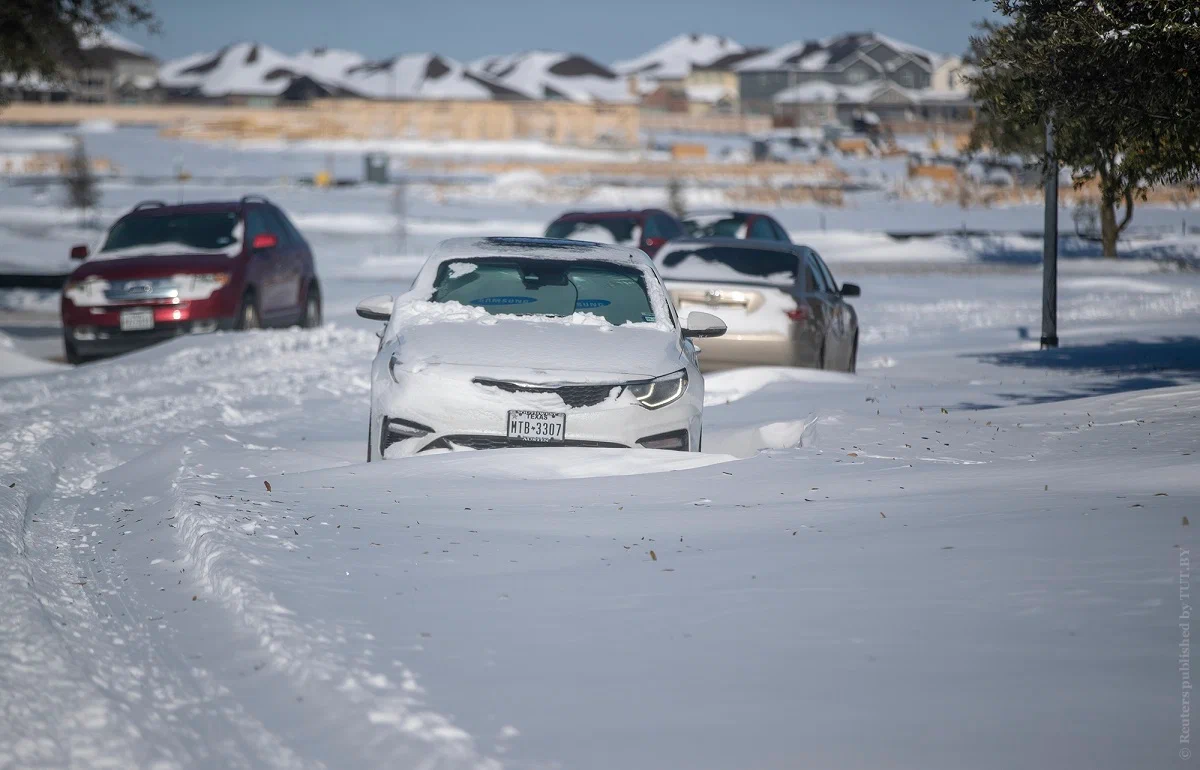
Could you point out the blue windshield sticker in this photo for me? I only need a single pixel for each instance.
(648, 317)
(587, 304)
(500, 301)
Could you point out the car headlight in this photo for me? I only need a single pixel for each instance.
(88, 292)
(200, 285)
(661, 391)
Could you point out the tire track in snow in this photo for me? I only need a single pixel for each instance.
(75, 697)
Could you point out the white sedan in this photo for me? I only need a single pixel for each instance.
(519, 342)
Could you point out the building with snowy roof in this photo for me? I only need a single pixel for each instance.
(820, 103)
(109, 69)
(846, 60)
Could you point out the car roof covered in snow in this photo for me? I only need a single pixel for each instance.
(536, 248)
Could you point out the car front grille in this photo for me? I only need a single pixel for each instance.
(572, 395)
(504, 442)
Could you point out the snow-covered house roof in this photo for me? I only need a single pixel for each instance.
(106, 40)
(242, 69)
(674, 59)
(328, 65)
(556, 75)
(837, 53)
(424, 76)
(729, 62)
(710, 94)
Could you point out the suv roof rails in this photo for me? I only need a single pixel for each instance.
(254, 198)
(149, 205)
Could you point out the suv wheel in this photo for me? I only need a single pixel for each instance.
(312, 309)
(70, 351)
(248, 317)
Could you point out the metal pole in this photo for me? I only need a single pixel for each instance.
(1050, 246)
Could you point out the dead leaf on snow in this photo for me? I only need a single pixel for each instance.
(653, 556)
(267, 484)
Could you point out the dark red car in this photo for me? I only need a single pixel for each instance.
(165, 271)
(647, 229)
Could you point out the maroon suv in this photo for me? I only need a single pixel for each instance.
(647, 229)
(164, 271)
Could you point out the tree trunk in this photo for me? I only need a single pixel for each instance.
(1108, 226)
(1108, 212)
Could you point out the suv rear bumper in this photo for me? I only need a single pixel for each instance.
(102, 341)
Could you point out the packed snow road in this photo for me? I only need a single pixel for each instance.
(968, 555)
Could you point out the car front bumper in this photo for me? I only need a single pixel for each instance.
(102, 341)
(454, 412)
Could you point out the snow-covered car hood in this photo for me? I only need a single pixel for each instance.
(541, 350)
(153, 265)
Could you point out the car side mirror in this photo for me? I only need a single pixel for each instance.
(264, 241)
(851, 290)
(377, 308)
(703, 325)
(79, 252)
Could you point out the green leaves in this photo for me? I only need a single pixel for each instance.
(1115, 75)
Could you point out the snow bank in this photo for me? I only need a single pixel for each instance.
(736, 384)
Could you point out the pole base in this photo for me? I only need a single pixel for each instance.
(1049, 342)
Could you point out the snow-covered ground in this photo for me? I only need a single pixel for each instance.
(970, 554)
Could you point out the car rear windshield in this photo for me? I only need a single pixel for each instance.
(506, 286)
(622, 231)
(203, 231)
(709, 263)
(717, 226)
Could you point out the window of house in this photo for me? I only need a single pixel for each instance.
(856, 75)
(906, 79)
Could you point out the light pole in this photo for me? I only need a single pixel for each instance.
(1050, 245)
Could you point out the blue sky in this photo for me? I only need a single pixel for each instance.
(604, 29)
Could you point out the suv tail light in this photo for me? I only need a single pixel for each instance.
(799, 314)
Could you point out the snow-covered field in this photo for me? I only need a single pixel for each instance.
(969, 555)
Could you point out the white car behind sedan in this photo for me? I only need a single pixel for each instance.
(516, 342)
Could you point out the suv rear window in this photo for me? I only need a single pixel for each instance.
(714, 263)
(716, 226)
(505, 286)
(621, 231)
(201, 231)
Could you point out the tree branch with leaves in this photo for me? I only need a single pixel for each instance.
(1122, 81)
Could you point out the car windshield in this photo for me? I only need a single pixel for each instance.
(621, 231)
(716, 226)
(706, 263)
(505, 286)
(202, 231)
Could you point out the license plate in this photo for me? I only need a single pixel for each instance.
(546, 427)
(137, 319)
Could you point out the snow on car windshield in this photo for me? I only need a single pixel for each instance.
(709, 263)
(507, 286)
(175, 233)
(620, 231)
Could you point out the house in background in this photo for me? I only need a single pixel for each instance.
(847, 60)
(108, 70)
(113, 70)
(880, 103)
(951, 75)
(713, 88)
